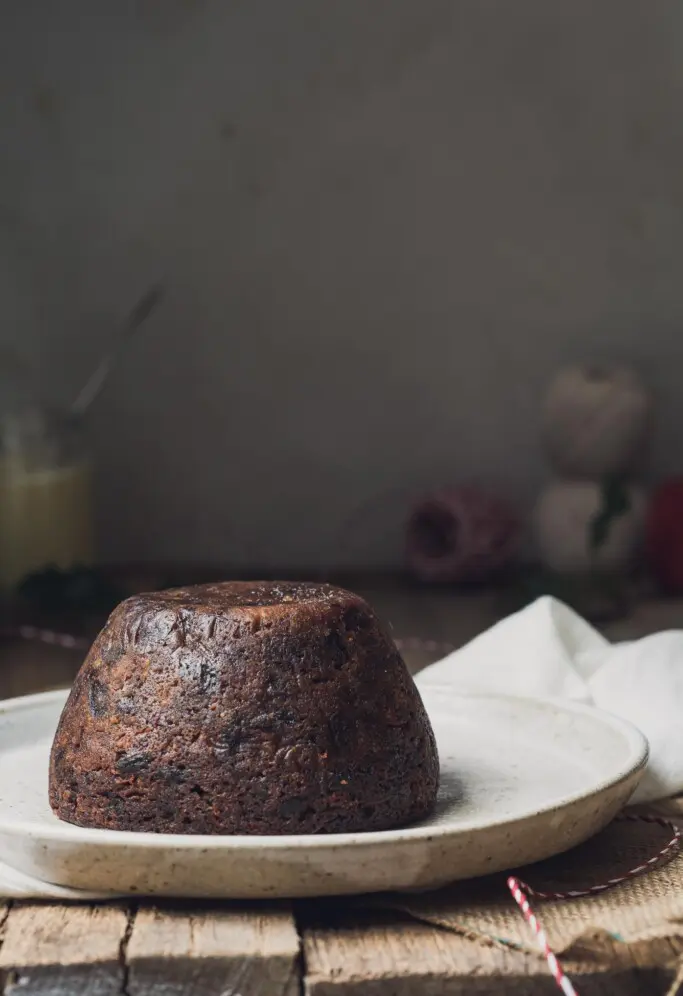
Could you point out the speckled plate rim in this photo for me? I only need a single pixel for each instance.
(635, 759)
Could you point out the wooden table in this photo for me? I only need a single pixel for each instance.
(331, 948)
(112, 950)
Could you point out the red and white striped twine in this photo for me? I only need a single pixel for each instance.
(520, 890)
(556, 971)
(41, 635)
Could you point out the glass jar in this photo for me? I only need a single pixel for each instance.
(45, 494)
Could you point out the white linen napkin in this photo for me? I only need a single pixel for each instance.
(549, 650)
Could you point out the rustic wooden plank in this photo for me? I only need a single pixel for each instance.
(27, 667)
(415, 959)
(389, 957)
(63, 950)
(449, 618)
(210, 953)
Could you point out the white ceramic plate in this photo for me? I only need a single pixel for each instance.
(522, 780)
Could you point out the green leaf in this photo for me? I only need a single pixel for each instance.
(615, 502)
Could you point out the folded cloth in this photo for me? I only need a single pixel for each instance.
(548, 650)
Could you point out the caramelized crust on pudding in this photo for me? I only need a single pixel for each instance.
(244, 708)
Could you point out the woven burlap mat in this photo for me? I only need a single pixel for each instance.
(649, 906)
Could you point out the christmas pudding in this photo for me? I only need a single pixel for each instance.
(244, 708)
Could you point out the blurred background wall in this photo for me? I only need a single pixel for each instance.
(381, 227)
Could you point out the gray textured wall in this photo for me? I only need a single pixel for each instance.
(382, 226)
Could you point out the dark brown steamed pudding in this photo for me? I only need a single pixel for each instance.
(244, 708)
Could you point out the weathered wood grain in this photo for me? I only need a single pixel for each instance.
(398, 958)
(252, 952)
(27, 667)
(77, 950)
(405, 958)
(63, 950)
